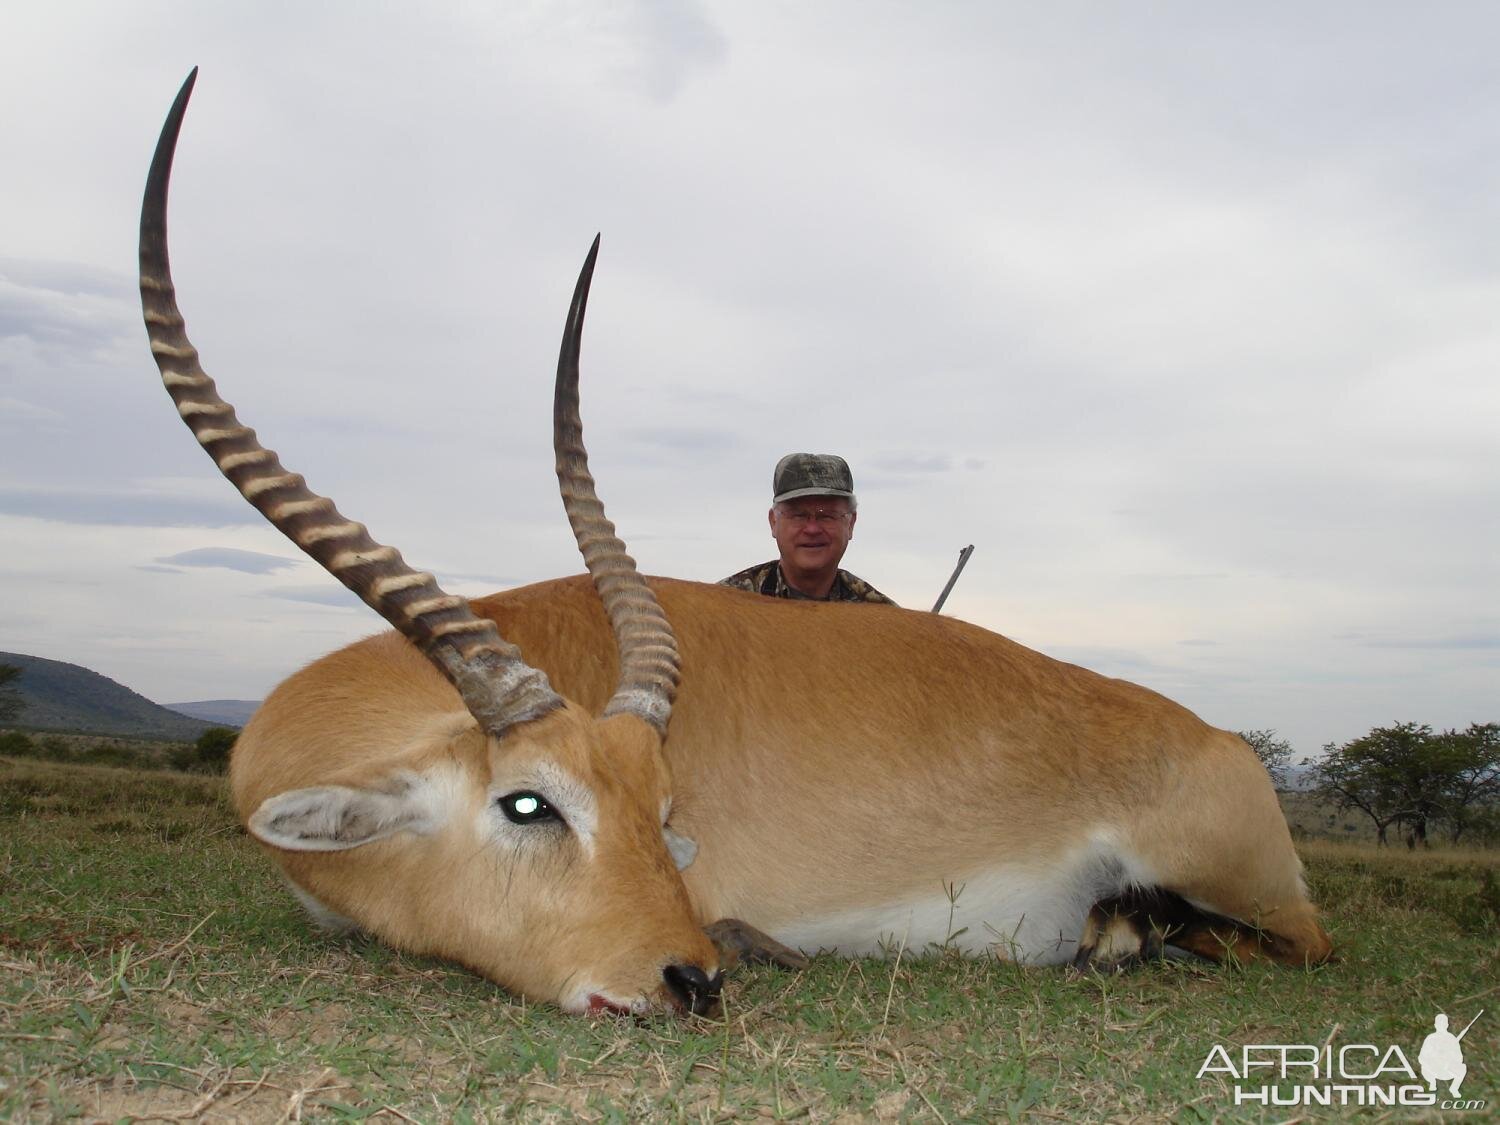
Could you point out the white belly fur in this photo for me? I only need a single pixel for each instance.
(1019, 912)
(325, 919)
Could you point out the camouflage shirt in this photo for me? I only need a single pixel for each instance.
(767, 579)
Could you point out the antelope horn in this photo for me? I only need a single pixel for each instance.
(497, 686)
(649, 667)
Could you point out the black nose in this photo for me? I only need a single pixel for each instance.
(696, 989)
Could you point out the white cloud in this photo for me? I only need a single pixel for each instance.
(1186, 321)
(139, 505)
(329, 594)
(231, 558)
(14, 411)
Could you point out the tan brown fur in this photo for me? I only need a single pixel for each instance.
(802, 735)
(842, 772)
(527, 924)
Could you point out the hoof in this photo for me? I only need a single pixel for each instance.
(739, 941)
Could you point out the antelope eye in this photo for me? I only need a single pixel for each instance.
(526, 807)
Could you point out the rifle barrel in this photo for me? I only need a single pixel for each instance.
(1470, 1024)
(963, 557)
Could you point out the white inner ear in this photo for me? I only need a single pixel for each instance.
(331, 818)
(683, 850)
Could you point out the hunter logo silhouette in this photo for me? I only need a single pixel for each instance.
(1441, 1057)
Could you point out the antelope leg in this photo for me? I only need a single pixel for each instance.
(740, 941)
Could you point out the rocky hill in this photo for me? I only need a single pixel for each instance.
(68, 697)
(220, 712)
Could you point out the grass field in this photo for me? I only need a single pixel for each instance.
(153, 967)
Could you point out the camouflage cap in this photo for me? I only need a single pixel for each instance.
(811, 474)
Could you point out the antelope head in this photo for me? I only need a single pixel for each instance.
(522, 836)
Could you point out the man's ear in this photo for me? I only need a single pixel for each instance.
(853, 518)
(771, 519)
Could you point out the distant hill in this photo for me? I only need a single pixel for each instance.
(220, 712)
(67, 697)
(1300, 777)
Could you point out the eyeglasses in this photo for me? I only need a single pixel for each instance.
(820, 516)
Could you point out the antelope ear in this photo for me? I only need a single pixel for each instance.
(684, 850)
(332, 818)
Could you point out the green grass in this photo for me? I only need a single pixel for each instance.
(152, 966)
(102, 750)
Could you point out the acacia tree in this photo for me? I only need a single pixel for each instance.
(1353, 776)
(1404, 774)
(1473, 757)
(11, 703)
(1389, 775)
(1274, 753)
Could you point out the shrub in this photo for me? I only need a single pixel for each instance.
(210, 753)
(14, 744)
(58, 749)
(51, 748)
(108, 754)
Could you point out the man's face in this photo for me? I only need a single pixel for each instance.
(812, 531)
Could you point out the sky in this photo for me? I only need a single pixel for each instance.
(1186, 315)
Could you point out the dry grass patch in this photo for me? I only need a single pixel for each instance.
(163, 973)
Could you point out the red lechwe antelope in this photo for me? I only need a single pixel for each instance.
(844, 778)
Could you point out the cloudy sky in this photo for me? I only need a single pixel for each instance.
(1188, 316)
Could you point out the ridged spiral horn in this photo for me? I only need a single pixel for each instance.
(649, 666)
(498, 687)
